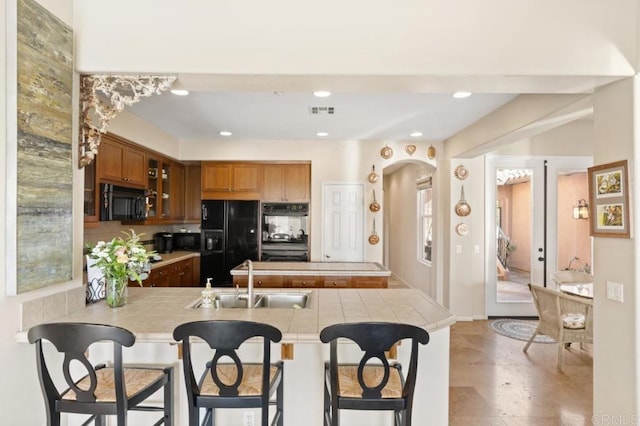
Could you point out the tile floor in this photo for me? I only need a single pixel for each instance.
(492, 382)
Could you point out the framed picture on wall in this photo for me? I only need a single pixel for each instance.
(609, 200)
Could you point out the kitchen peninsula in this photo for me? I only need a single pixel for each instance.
(153, 313)
(314, 274)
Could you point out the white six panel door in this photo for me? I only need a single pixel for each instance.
(343, 222)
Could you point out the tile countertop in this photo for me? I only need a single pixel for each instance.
(173, 257)
(368, 269)
(153, 313)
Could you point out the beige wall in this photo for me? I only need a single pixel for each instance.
(27, 406)
(402, 226)
(573, 234)
(616, 373)
(412, 38)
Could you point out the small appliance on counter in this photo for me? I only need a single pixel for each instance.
(189, 241)
(163, 242)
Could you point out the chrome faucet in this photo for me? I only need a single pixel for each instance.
(248, 296)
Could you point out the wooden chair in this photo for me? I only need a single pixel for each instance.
(564, 318)
(231, 385)
(102, 390)
(371, 385)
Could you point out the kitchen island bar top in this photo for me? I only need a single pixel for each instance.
(370, 269)
(152, 313)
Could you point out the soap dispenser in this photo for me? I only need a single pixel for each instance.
(207, 294)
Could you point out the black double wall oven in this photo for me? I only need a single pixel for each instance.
(285, 232)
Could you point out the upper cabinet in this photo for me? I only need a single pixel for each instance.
(120, 163)
(177, 191)
(286, 182)
(166, 189)
(193, 189)
(231, 181)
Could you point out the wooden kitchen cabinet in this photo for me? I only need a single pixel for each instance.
(181, 274)
(230, 181)
(335, 282)
(312, 281)
(177, 191)
(302, 281)
(177, 274)
(369, 282)
(158, 277)
(192, 191)
(286, 182)
(120, 163)
(91, 196)
(260, 281)
(160, 175)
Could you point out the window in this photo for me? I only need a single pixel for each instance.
(425, 225)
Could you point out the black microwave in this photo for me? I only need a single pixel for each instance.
(189, 241)
(121, 203)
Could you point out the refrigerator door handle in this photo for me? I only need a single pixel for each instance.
(205, 213)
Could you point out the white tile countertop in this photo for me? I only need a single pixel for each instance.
(369, 269)
(152, 313)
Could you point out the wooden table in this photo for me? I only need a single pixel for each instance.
(578, 289)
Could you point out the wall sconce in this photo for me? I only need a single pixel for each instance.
(581, 211)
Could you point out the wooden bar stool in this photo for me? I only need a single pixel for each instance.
(101, 390)
(377, 385)
(236, 384)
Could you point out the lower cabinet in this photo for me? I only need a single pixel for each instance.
(311, 281)
(260, 281)
(178, 274)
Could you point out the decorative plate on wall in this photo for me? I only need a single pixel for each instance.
(410, 149)
(462, 229)
(386, 152)
(461, 172)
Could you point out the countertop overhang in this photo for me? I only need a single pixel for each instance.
(153, 313)
(354, 269)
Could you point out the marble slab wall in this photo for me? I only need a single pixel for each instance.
(44, 152)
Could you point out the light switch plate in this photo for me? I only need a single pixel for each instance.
(459, 249)
(615, 291)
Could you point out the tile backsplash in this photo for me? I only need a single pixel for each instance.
(53, 306)
(107, 230)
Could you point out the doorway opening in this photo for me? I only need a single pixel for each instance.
(530, 210)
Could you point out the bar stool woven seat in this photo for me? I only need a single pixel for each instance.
(234, 384)
(100, 390)
(376, 382)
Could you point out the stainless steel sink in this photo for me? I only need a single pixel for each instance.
(263, 300)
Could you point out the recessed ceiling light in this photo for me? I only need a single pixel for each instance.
(322, 134)
(225, 133)
(180, 92)
(321, 93)
(416, 134)
(278, 93)
(460, 95)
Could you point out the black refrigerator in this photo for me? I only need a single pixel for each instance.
(229, 237)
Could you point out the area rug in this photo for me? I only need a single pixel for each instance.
(518, 329)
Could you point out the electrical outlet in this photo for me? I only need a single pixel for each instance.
(248, 418)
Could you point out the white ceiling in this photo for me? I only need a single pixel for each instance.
(264, 115)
